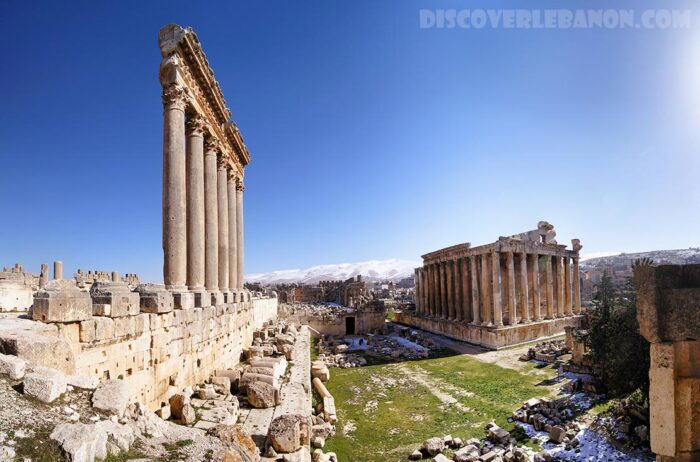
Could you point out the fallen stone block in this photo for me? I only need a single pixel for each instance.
(81, 442)
(12, 366)
(240, 445)
(289, 433)
(177, 402)
(121, 436)
(221, 385)
(433, 446)
(557, 434)
(85, 382)
(188, 415)
(219, 415)
(112, 396)
(44, 384)
(441, 458)
(262, 395)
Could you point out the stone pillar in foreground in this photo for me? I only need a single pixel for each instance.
(523, 293)
(195, 203)
(232, 236)
(512, 301)
(174, 189)
(474, 279)
(496, 288)
(549, 283)
(239, 231)
(577, 287)
(211, 216)
(222, 212)
(534, 271)
(58, 269)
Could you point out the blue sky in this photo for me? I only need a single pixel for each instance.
(371, 138)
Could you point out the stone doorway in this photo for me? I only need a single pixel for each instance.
(350, 325)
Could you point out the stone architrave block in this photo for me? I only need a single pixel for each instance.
(155, 298)
(122, 301)
(61, 301)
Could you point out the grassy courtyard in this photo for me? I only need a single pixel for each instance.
(385, 411)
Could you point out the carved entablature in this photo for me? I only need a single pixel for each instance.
(185, 65)
(539, 241)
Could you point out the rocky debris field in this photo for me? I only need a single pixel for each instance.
(546, 352)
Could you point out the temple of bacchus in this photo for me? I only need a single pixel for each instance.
(163, 337)
(514, 290)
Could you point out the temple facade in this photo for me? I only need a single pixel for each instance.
(514, 290)
(204, 158)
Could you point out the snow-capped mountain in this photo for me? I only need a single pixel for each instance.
(373, 270)
(660, 257)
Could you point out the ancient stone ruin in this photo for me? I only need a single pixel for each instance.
(514, 290)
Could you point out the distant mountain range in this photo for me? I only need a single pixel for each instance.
(395, 269)
(660, 257)
(371, 271)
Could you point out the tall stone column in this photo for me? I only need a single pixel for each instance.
(567, 287)
(549, 280)
(535, 286)
(444, 312)
(232, 237)
(560, 286)
(450, 274)
(416, 289)
(496, 287)
(474, 279)
(239, 230)
(524, 292)
(222, 212)
(510, 275)
(195, 203)
(211, 216)
(466, 296)
(457, 290)
(57, 270)
(435, 269)
(577, 287)
(431, 290)
(174, 189)
(425, 291)
(486, 290)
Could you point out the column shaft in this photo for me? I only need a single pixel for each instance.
(549, 283)
(211, 217)
(486, 290)
(222, 203)
(577, 288)
(436, 289)
(524, 296)
(496, 288)
(444, 311)
(466, 296)
(560, 286)
(239, 231)
(510, 276)
(457, 289)
(474, 279)
(232, 238)
(174, 189)
(535, 286)
(449, 272)
(567, 287)
(195, 203)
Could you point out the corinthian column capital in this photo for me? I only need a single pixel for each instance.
(211, 144)
(174, 97)
(196, 125)
(239, 184)
(222, 161)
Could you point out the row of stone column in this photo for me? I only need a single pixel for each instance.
(499, 288)
(202, 205)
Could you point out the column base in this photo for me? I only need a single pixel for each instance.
(228, 296)
(183, 300)
(217, 298)
(202, 298)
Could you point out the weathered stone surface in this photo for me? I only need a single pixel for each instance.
(44, 384)
(122, 301)
(154, 298)
(97, 329)
(86, 382)
(81, 442)
(441, 458)
(61, 301)
(557, 434)
(36, 343)
(188, 415)
(288, 433)
(468, 453)
(112, 396)
(433, 446)
(415, 455)
(12, 366)
(219, 416)
(122, 436)
(177, 403)
(239, 443)
(221, 385)
(262, 395)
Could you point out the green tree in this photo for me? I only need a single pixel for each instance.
(614, 339)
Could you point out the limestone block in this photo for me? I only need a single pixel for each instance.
(69, 332)
(219, 415)
(433, 446)
(188, 415)
(262, 395)
(12, 366)
(289, 433)
(38, 344)
(177, 402)
(44, 384)
(101, 309)
(249, 378)
(202, 299)
(122, 300)
(183, 300)
(125, 326)
(83, 443)
(154, 298)
(112, 396)
(97, 329)
(122, 435)
(221, 385)
(86, 382)
(61, 301)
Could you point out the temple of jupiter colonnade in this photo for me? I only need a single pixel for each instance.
(204, 159)
(515, 290)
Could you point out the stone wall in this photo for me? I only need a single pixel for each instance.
(15, 296)
(155, 351)
(487, 336)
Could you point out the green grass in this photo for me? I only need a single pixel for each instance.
(314, 348)
(407, 412)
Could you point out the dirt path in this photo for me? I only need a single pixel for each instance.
(436, 387)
